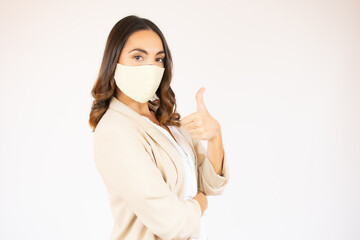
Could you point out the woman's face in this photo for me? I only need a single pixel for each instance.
(142, 48)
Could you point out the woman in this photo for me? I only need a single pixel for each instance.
(155, 169)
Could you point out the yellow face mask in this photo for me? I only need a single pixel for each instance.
(138, 82)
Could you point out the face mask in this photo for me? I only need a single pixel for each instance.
(138, 82)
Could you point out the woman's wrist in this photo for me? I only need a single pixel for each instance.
(201, 198)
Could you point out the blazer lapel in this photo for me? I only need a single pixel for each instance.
(186, 134)
(152, 132)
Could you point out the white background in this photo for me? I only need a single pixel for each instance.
(281, 77)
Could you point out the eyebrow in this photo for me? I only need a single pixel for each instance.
(142, 50)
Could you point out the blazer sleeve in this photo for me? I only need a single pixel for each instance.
(209, 182)
(131, 175)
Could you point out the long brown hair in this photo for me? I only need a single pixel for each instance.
(104, 88)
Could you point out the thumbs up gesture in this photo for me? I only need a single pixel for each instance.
(200, 124)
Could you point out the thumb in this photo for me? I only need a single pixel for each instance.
(200, 105)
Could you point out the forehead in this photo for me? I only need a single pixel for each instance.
(145, 39)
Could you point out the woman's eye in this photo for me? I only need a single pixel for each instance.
(162, 60)
(137, 57)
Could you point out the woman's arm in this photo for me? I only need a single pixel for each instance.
(210, 182)
(215, 152)
(213, 173)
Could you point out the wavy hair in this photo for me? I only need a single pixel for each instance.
(104, 88)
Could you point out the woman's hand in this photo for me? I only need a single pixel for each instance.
(202, 200)
(200, 124)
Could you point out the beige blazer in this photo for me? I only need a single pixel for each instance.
(144, 175)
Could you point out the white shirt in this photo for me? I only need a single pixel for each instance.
(188, 158)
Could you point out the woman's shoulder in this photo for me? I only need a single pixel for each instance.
(113, 122)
